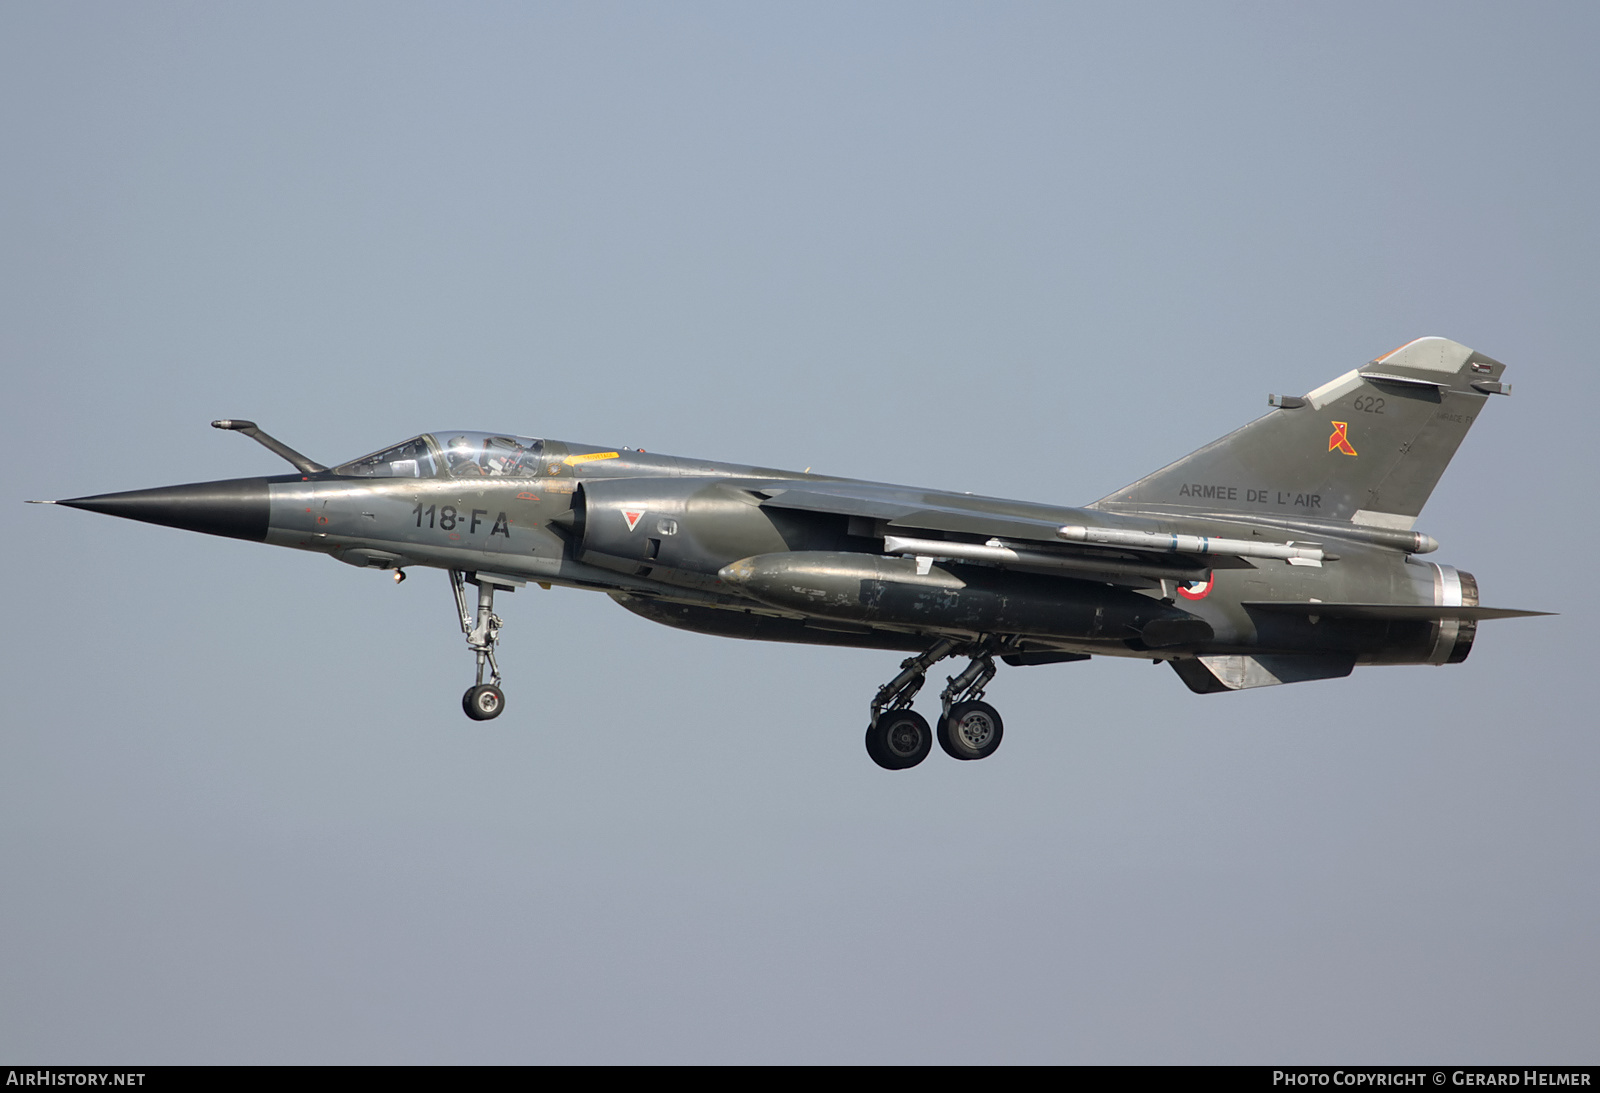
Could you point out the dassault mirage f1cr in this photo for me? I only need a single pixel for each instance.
(1283, 552)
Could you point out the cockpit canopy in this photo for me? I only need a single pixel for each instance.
(454, 454)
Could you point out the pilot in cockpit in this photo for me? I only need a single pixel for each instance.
(462, 455)
(468, 456)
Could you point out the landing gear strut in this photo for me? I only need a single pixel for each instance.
(899, 691)
(483, 701)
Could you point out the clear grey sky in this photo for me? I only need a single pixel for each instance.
(1033, 250)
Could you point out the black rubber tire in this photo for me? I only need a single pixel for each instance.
(973, 730)
(483, 702)
(899, 739)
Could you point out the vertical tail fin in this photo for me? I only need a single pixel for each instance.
(1367, 447)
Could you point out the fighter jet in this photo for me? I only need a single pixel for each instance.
(1283, 552)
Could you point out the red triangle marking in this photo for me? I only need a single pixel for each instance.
(632, 516)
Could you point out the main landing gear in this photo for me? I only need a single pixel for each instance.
(484, 701)
(969, 728)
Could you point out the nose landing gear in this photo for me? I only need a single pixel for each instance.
(483, 701)
(899, 737)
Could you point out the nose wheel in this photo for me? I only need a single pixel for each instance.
(483, 701)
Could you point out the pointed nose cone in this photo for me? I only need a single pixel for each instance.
(237, 508)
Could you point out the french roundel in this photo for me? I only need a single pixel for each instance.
(1197, 590)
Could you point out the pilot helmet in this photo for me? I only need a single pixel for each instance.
(461, 451)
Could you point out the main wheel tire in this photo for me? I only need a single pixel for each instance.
(899, 739)
(483, 702)
(971, 731)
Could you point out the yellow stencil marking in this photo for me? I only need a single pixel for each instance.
(574, 460)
